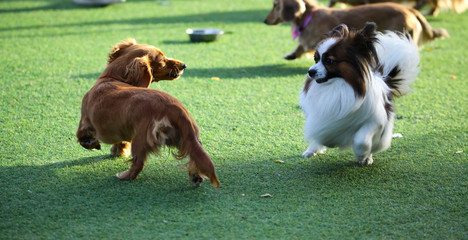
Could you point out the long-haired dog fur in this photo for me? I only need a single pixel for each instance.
(458, 6)
(347, 98)
(121, 110)
(310, 22)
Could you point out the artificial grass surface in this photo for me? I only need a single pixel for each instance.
(51, 188)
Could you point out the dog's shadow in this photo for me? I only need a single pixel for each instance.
(260, 71)
(240, 16)
(84, 161)
(51, 6)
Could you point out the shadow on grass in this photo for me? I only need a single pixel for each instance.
(226, 17)
(83, 194)
(52, 5)
(57, 5)
(263, 71)
(84, 161)
(92, 76)
(86, 188)
(87, 173)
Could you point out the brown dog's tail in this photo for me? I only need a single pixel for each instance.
(199, 163)
(429, 33)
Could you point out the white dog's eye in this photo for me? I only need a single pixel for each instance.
(328, 61)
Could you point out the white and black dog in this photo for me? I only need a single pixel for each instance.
(347, 98)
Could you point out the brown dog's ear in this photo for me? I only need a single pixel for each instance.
(138, 72)
(116, 50)
(340, 31)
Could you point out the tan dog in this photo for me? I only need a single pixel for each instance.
(310, 22)
(458, 6)
(121, 110)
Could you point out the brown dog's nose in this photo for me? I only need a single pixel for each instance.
(183, 66)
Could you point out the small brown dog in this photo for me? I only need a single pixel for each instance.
(310, 22)
(458, 6)
(121, 110)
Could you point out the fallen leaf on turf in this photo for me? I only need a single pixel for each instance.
(397, 135)
(215, 78)
(453, 77)
(267, 195)
(279, 161)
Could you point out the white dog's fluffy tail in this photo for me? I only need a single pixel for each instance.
(399, 61)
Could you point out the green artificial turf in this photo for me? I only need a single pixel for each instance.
(52, 51)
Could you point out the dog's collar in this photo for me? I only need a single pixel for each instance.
(296, 30)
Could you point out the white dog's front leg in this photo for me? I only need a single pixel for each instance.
(362, 145)
(367, 161)
(313, 150)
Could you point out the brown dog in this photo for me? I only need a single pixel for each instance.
(458, 6)
(311, 22)
(121, 110)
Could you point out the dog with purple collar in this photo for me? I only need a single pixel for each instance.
(310, 22)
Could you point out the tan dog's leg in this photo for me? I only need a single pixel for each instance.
(122, 149)
(295, 54)
(434, 8)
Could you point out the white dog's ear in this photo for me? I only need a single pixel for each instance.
(368, 31)
(340, 31)
(117, 49)
(139, 73)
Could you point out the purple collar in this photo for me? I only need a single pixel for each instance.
(296, 30)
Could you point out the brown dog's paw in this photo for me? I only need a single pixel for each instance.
(196, 179)
(125, 175)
